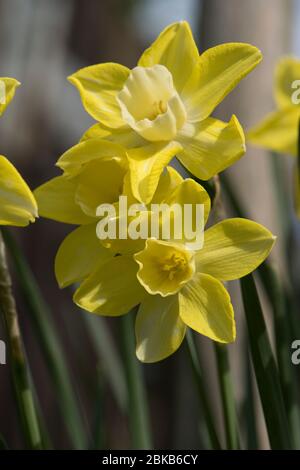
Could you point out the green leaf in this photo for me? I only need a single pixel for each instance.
(265, 368)
(3, 444)
(284, 338)
(108, 357)
(203, 400)
(49, 343)
(138, 406)
(228, 401)
(19, 366)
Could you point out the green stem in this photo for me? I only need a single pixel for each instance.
(19, 366)
(198, 378)
(98, 434)
(108, 357)
(248, 406)
(228, 401)
(3, 444)
(49, 343)
(137, 406)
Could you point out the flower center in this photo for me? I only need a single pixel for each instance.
(175, 265)
(164, 267)
(150, 104)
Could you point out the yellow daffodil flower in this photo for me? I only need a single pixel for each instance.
(162, 107)
(175, 286)
(278, 132)
(17, 204)
(74, 200)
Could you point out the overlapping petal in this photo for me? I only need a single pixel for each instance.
(56, 200)
(113, 289)
(17, 204)
(98, 86)
(8, 88)
(174, 48)
(287, 72)
(100, 182)
(205, 306)
(278, 131)
(159, 329)
(73, 160)
(169, 180)
(78, 255)
(188, 195)
(233, 248)
(124, 135)
(217, 72)
(211, 146)
(146, 164)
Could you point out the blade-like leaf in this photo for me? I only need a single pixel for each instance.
(19, 366)
(109, 360)
(265, 368)
(49, 343)
(228, 401)
(138, 406)
(283, 339)
(203, 400)
(3, 444)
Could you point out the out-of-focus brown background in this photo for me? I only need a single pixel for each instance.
(41, 43)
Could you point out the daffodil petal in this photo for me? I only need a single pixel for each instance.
(146, 164)
(174, 48)
(278, 131)
(190, 192)
(159, 329)
(79, 255)
(8, 88)
(205, 306)
(113, 289)
(124, 135)
(287, 72)
(72, 161)
(56, 200)
(217, 72)
(98, 86)
(234, 248)
(17, 203)
(100, 182)
(211, 146)
(170, 179)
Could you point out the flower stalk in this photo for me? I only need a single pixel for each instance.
(19, 366)
(137, 406)
(228, 402)
(198, 379)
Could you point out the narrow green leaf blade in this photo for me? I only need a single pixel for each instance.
(228, 401)
(265, 368)
(201, 392)
(49, 343)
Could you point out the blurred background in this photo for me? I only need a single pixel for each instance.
(41, 43)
